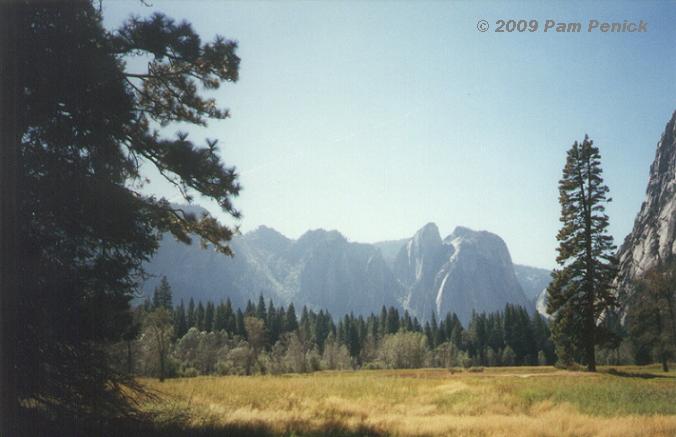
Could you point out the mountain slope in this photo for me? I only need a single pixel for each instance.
(532, 279)
(467, 271)
(653, 237)
(321, 269)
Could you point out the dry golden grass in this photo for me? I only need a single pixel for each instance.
(497, 402)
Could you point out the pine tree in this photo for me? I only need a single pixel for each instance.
(274, 322)
(209, 313)
(199, 317)
(250, 310)
(392, 320)
(290, 321)
(261, 312)
(383, 322)
(321, 329)
(651, 314)
(541, 335)
(220, 318)
(84, 127)
(407, 323)
(180, 321)
(162, 296)
(230, 323)
(580, 293)
(239, 323)
(190, 316)
(456, 331)
(434, 330)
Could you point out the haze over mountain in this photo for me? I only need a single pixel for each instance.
(532, 279)
(467, 271)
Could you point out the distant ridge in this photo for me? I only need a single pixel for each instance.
(466, 271)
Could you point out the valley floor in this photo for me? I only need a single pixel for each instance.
(516, 401)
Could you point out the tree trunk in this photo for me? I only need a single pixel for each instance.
(590, 322)
(591, 359)
(161, 366)
(130, 364)
(660, 333)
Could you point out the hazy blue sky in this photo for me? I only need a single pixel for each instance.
(375, 118)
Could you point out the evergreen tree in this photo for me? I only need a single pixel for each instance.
(651, 314)
(542, 339)
(250, 310)
(180, 321)
(407, 323)
(428, 332)
(351, 335)
(190, 316)
(85, 126)
(478, 335)
(305, 327)
(290, 321)
(434, 331)
(230, 323)
(392, 320)
(199, 317)
(456, 331)
(261, 312)
(209, 313)
(162, 296)
(274, 322)
(239, 323)
(580, 294)
(383, 321)
(220, 318)
(322, 329)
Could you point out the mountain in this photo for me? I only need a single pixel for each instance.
(390, 249)
(532, 279)
(534, 282)
(321, 269)
(541, 303)
(653, 237)
(466, 271)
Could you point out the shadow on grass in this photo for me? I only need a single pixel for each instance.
(34, 424)
(622, 374)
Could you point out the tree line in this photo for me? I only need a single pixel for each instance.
(180, 340)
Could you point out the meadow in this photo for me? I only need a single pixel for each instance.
(507, 401)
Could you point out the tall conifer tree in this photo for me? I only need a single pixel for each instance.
(162, 296)
(580, 294)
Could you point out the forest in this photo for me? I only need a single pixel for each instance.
(215, 338)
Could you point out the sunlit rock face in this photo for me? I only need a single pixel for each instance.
(653, 237)
(465, 272)
(321, 269)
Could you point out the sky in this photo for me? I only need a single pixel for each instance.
(375, 118)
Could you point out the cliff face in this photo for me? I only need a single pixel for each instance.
(653, 237)
(467, 271)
